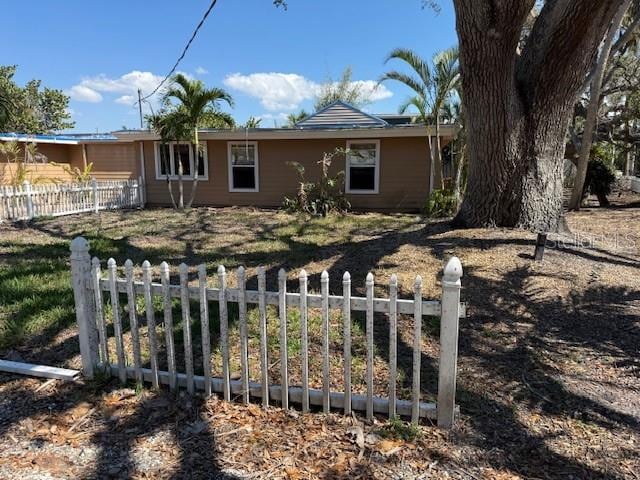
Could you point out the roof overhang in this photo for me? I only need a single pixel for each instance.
(30, 139)
(63, 139)
(446, 131)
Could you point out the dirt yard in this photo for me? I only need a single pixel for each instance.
(549, 368)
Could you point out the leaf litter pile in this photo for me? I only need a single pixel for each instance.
(549, 369)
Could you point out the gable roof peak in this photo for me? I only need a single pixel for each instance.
(340, 114)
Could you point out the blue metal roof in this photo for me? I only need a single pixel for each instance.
(63, 137)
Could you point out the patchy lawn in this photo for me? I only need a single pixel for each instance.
(548, 375)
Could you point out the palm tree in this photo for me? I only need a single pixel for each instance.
(252, 122)
(197, 104)
(172, 127)
(294, 118)
(452, 113)
(432, 87)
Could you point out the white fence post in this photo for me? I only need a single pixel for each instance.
(449, 342)
(85, 310)
(141, 193)
(94, 187)
(28, 195)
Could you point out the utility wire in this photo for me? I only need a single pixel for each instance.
(184, 52)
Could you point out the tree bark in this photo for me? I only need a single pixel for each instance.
(457, 186)
(593, 107)
(180, 181)
(439, 171)
(518, 105)
(196, 163)
(435, 174)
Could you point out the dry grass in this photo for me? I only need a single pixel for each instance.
(549, 365)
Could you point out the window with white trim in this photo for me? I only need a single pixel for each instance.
(170, 156)
(363, 166)
(243, 166)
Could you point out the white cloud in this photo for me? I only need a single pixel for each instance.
(201, 71)
(127, 85)
(276, 91)
(374, 90)
(82, 93)
(286, 91)
(126, 100)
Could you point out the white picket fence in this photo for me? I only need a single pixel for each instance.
(29, 201)
(89, 285)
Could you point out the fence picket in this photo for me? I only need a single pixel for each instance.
(324, 292)
(224, 332)
(417, 350)
(304, 340)
(204, 325)
(393, 343)
(346, 316)
(151, 322)
(29, 201)
(369, 327)
(96, 276)
(95, 349)
(117, 324)
(186, 326)
(262, 312)
(282, 311)
(133, 320)
(168, 325)
(244, 337)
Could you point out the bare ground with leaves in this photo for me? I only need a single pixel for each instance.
(549, 365)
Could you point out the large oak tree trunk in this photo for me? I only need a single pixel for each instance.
(518, 104)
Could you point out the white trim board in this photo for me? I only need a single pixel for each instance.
(38, 370)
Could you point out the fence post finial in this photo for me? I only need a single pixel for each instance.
(449, 342)
(85, 310)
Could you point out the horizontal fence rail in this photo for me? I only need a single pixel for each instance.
(171, 325)
(27, 201)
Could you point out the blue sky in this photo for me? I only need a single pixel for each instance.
(269, 59)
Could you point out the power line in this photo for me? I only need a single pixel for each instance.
(184, 52)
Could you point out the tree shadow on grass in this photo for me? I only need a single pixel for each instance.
(513, 376)
(181, 417)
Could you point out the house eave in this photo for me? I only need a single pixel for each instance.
(446, 131)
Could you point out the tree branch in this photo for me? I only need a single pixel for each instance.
(561, 48)
(621, 43)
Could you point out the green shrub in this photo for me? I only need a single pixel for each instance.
(599, 181)
(322, 197)
(441, 203)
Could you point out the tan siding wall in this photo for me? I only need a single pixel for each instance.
(54, 152)
(38, 173)
(404, 174)
(42, 172)
(113, 161)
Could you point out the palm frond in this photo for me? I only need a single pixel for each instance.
(412, 82)
(411, 58)
(419, 104)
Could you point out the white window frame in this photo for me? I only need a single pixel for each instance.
(376, 176)
(174, 175)
(256, 169)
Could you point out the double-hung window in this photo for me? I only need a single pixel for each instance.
(171, 156)
(363, 166)
(243, 166)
